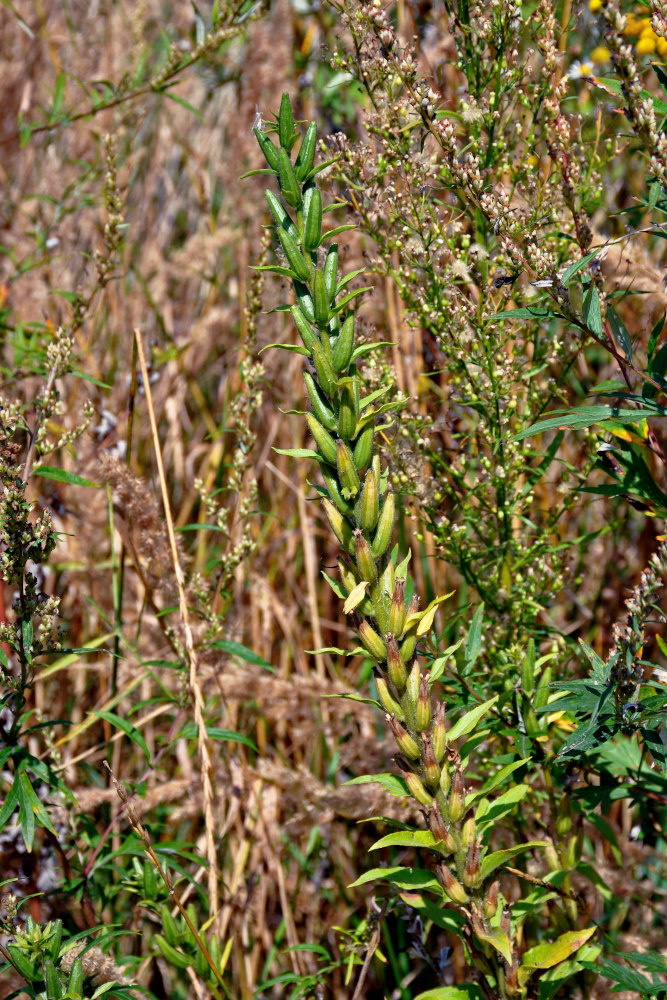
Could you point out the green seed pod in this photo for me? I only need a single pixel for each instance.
(472, 872)
(344, 346)
(289, 185)
(169, 926)
(363, 448)
(295, 258)
(440, 831)
(388, 702)
(397, 609)
(430, 766)
(333, 486)
(453, 889)
(368, 510)
(388, 584)
(445, 778)
(150, 882)
(347, 473)
(286, 128)
(407, 647)
(398, 674)
(306, 332)
(172, 955)
(423, 708)
(340, 526)
(414, 783)
(469, 832)
(365, 561)
(305, 300)
(280, 216)
(75, 981)
(528, 669)
(325, 443)
(331, 270)
(378, 609)
(321, 408)
(372, 641)
(54, 986)
(267, 147)
(325, 372)
(385, 527)
(320, 300)
(456, 804)
(438, 732)
(405, 742)
(348, 413)
(312, 219)
(306, 156)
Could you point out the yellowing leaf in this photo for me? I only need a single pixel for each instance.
(425, 617)
(545, 956)
(355, 597)
(500, 941)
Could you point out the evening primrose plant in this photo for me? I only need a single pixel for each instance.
(461, 890)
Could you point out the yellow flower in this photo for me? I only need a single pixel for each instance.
(633, 26)
(646, 45)
(661, 46)
(595, 5)
(600, 54)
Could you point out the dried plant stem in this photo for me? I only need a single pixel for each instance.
(197, 697)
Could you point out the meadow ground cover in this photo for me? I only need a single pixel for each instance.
(332, 500)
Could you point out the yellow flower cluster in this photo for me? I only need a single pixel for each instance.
(639, 27)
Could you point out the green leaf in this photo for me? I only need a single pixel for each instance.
(438, 665)
(405, 878)
(530, 312)
(242, 652)
(184, 104)
(607, 83)
(49, 472)
(190, 731)
(390, 782)
(499, 777)
(469, 721)
(406, 838)
(363, 349)
(570, 271)
(491, 812)
(591, 310)
(474, 641)
(588, 416)
(299, 453)
(292, 348)
(498, 858)
(130, 731)
(544, 956)
(10, 804)
(620, 332)
(464, 991)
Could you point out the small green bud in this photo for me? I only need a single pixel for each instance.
(349, 411)
(330, 270)
(367, 510)
(267, 147)
(405, 742)
(306, 155)
(453, 889)
(333, 486)
(289, 185)
(423, 708)
(365, 561)
(295, 258)
(363, 448)
(414, 783)
(287, 132)
(340, 526)
(320, 300)
(344, 346)
(325, 372)
(372, 641)
(312, 219)
(306, 332)
(445, 778)
(385, 526)
(390, 705)
(321, 408)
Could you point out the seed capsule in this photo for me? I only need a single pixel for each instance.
(414, 783)
(445, 779)
(286, 128)
(330, 270)
(320, 300)
(491, 900)
(321, 408)
(339, 525)
(365, 561)
(368, 509)
(312, 219)
(267, 147)
(306, 155)
(363, 448)
(452, 887)
(469, 832)
(372, 641)
(412, 688)
(423, 708)
(306, 332)
(440, 831)
(456, 804)
(398, 674)
(388, 702)
(405, 742)
(385, 526)
(472, 872)
(430, 765)
(342, 352)
(349, 410)
(347, 473)
(397, 609)
(438, 732)
(295, 258)
(325, 372)
(333, 486)
(325, 443)
(289, 185)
